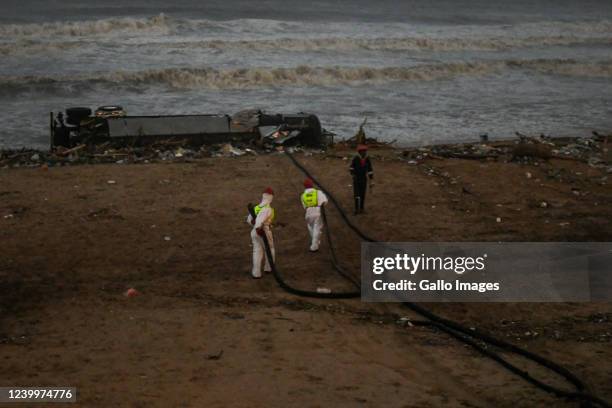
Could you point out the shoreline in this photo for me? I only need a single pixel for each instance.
(597, 148)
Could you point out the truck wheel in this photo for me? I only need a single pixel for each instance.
(75, 115)
(61, 137)
(110, 108)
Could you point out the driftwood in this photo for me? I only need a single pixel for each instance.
(467, 156)
(5, 160)
(370, 142)
(111, 155)
(17, 155)
(526, 137)
(70, 151)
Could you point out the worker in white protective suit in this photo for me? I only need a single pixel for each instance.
(262, 224)
(312, 200)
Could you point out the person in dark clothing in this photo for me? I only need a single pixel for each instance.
(361, 170)
(61, 134)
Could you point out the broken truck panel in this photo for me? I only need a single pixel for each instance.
(136, 126)
(246, 126)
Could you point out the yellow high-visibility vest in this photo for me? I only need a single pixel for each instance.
(258, 209)
(310, 199)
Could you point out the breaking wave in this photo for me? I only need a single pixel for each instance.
(85, 28)
(248, 26)
(30, 47)
(601, 26)
(394, 44)
(602, 69)
(27, 47)
(198, 78)
(300, 76)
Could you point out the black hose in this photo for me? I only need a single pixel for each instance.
(296, 291)
(331, 198)
(334, 258)
(455, 329)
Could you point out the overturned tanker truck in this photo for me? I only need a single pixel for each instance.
(111, 124)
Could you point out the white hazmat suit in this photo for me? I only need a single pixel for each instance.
(313, 217)
(263, 220)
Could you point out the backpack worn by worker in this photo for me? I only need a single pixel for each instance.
(259, 207)
(310, 199)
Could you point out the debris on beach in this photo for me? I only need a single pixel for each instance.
(592, 150)
(229, 150)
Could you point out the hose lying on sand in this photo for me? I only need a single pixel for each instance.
(474, 338)
(301, 292)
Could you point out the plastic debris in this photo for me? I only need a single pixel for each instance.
(229, 150)
(180, 152)
(131, 292)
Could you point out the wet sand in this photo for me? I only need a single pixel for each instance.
(202, 333)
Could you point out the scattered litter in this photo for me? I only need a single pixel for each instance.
(111, 182)
(324, 290)
(405, 321)
(543, 204)
(173, 150)
(131, 292)
(167, 238)
(498, 219)
(215, 356)
(229, 150)
(528, 175)
(180, 152)
(528, 150)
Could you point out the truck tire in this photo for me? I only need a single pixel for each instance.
(61, 137)
(75, 115)
(110, 108)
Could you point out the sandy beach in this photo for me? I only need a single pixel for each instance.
(201, 332)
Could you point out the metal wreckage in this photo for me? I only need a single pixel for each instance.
(111, 124)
